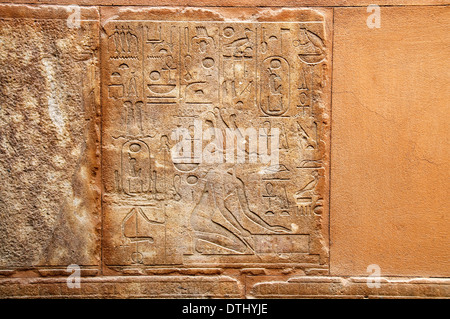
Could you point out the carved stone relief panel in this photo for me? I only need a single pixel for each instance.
(215, 141)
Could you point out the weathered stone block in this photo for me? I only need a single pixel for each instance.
(49, 138)
(205, 173)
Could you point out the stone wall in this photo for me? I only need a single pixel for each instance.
(171, 149)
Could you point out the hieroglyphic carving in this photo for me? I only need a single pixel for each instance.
(227, 76)
(275, 76)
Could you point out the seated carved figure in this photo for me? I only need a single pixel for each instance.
(222, 220)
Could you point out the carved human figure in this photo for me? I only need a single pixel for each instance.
(222, 220)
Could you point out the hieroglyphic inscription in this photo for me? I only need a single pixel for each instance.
(231, 76)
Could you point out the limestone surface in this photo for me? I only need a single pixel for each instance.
(49, 139)
(237, 149)
(215, 138)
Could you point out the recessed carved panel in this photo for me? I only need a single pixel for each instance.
(215, 142)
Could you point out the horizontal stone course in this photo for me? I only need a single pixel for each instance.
(236, 3)
(335, 287)
(223, 287)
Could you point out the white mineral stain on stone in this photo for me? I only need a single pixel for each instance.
(63, 45)
(58, 161)
(31, 104)
(76, 202)
(294, 227)
(84, 173)
(54, 111)
(51, 176)
(76, 151)
(17, 117)
(3, 49)
(27, 56)
(159, 165)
